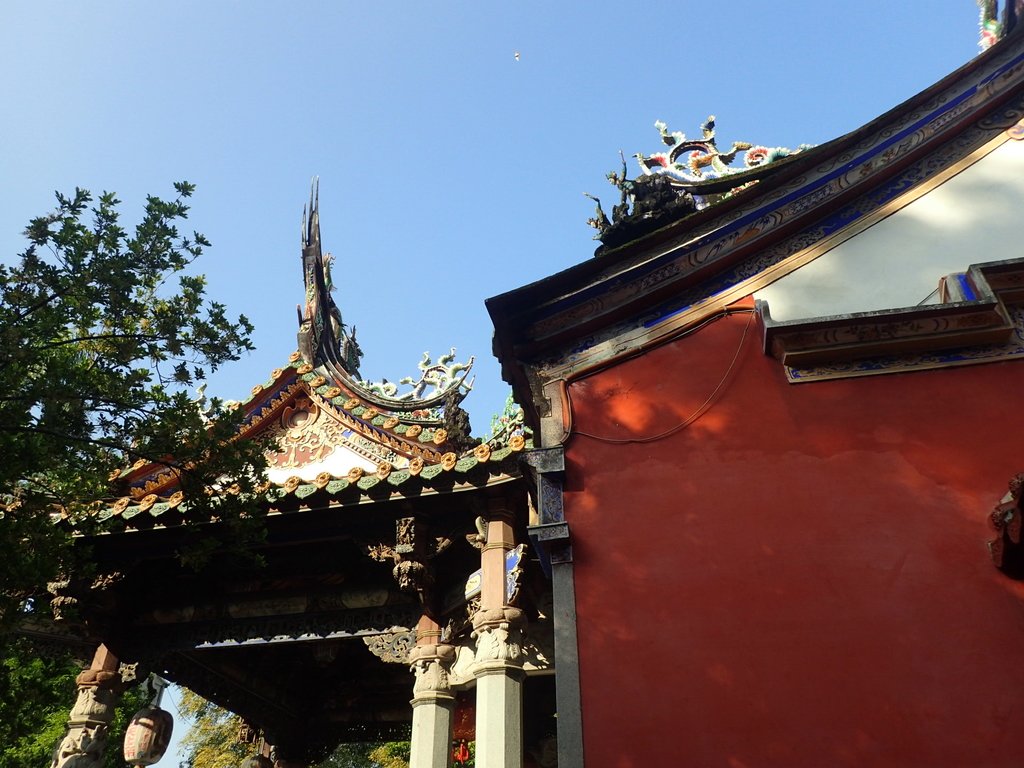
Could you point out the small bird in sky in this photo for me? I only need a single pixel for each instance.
(516, 55)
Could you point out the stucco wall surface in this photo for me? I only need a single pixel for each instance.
(800, 577)
(971, 218)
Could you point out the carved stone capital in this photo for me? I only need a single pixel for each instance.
(499, 639)
(489, 618)
(440, 652)
(431, 665)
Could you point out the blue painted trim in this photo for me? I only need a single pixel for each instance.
(966, 289)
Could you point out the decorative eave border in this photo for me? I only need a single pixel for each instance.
(910, 338)
(478, 469)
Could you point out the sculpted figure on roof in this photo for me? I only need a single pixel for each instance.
(323, 336)
(691, 175)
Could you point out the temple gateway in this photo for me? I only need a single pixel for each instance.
(395, 567)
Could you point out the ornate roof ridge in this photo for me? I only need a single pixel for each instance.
(326, 342)
(439, 383)
(668, 188)
(991, 29)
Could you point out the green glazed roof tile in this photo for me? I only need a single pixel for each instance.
(366, 482)
(305, 490)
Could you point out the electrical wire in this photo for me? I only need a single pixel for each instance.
(701, 410)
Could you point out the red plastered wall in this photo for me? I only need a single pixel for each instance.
(801, 576)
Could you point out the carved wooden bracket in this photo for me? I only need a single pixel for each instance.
(414, 547)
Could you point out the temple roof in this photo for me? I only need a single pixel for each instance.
(333, 448)
(337, 439)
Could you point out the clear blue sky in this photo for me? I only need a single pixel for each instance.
(449, 171)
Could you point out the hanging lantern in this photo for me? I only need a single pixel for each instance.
(149, 732)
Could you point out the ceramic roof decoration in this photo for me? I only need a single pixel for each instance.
(691, 175)
(336, 436)
(990, 27)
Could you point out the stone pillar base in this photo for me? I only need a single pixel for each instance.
(499, 687)
(432, 707)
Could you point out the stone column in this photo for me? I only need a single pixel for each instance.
(498, 629)
(99, 688)
(433, 702)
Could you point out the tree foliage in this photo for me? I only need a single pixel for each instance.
(211, 742)
(37, 691)
(212, 737)
(102, 332)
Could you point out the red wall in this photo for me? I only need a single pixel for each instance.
(801, 576)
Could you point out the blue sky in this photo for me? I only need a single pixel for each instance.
(449, 171)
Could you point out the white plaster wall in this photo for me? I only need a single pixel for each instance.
(338, 463)
(975, 216)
